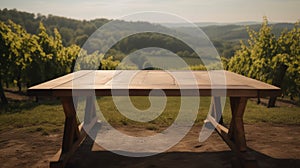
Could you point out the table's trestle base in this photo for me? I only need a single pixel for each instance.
(235, 135)
(60, 159)
(74, 135)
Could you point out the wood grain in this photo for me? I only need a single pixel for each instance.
(141, 82)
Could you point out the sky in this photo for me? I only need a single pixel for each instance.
(192, 10)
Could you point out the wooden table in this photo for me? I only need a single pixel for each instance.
(101, 83)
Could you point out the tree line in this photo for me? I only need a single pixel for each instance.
(77, 32)
(224, 37)
(72, 31)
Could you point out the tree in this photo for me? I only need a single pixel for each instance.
(263, 47)
(53, 49)
(270, 59)
(31, 59)
(287, 62)
(6, 38)
(25, 50)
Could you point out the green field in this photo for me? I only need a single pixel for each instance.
(174, 62)
(47, 117)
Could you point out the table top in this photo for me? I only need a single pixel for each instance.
(141, 82)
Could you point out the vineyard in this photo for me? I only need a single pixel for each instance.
(273, 60)
(27, 59)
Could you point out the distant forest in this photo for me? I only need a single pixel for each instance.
(224, 37)
(72, 31)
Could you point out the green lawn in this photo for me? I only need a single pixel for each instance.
(47, 117)
(33, 117)
(254, 113)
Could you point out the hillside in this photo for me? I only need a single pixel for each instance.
(225, 37)
(239, 32)
(72, 31)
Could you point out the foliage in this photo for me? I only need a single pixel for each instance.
(224, 37)
(77, 32)
(73, 31)
(270, 59)
(28, 59)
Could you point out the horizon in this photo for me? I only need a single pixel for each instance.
(195, 11)
(248, 22)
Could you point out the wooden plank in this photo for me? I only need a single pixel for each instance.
(158, 78)
(169, 92)
(230, 76)
(45, 89)
(217, 125)
(141, 82)
(89, 81)
(61, 80)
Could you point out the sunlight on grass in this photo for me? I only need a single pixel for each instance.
(254, 113)
(49, 118)
(42, 118)
(258, 113)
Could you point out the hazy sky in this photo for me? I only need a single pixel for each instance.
(193, 10)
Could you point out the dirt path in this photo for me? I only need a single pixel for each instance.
(19, 149)
(272, 145)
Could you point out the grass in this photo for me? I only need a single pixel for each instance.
(172, 62)
(278, 115)
(45, 118)
(253, 114)
(48, 117)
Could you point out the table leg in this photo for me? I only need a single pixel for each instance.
(90, 117)
(235, 135)
(72, 136)
(216, 109)
(236, 132)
